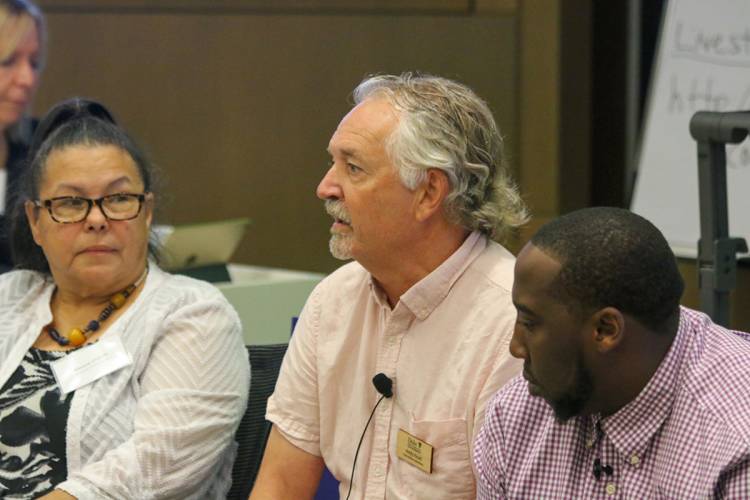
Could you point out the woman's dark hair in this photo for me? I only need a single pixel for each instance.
(75, 122)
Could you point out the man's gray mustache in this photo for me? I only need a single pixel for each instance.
(336, 210)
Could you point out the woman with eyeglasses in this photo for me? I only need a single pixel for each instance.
(22, 35)
(117, 380)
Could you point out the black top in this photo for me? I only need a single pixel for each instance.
(17, 150)
(33, 418)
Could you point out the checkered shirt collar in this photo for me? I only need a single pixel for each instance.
(631, 429)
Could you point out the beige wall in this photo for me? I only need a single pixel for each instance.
(237, 106)
(236, 99)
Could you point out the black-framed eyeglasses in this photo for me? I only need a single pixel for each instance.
(72, 209)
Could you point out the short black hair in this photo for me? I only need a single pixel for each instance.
(611, 257)
(75, 122)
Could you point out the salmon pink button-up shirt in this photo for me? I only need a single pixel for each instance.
(444, 345)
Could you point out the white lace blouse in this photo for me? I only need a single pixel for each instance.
(162, 427)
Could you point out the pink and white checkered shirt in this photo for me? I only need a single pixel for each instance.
(686, 435)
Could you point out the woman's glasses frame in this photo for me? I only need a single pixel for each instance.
(99, 202)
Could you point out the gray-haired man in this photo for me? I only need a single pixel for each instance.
(418, 190)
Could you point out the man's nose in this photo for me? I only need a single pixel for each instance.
(517, 347)
(329, 187)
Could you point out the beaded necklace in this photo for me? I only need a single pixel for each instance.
(78, 336)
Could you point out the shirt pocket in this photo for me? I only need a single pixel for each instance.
(452, 476)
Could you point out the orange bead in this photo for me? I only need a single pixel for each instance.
(76, 337)
(118, 300)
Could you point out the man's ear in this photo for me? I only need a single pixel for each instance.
(431, 193)
(608, 329)
(32, 216)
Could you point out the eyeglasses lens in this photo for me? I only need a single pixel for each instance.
(115, 207)
(121, 206)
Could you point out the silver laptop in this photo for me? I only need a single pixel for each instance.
(200, 244)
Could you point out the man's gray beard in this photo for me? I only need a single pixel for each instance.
(340, 246)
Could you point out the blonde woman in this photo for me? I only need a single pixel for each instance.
(22, 35)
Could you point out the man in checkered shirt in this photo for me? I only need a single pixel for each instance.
(624, 394)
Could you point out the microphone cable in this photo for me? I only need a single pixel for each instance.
(383, 385)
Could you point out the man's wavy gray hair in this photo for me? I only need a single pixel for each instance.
(445, 125)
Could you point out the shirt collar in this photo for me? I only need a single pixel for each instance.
(425, 295)
(633, 426)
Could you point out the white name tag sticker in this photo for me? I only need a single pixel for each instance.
(90, 363)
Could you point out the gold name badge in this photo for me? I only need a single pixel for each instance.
(414, 451)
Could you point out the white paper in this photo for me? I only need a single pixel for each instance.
(701, 66)
(90, 363)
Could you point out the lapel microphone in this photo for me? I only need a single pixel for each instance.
(599, 468)
(384, 385)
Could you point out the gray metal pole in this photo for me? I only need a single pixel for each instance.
(717, 252)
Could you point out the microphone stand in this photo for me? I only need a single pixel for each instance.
(717, 252)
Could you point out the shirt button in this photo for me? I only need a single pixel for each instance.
(635, 460)
(589, 442)
(611, 489)
(378, 471)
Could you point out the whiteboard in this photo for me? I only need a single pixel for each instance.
(702, 64)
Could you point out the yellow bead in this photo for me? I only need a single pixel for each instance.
(76, 337)
(118, 300)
